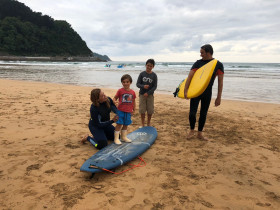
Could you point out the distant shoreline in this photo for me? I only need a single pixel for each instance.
(52, 58)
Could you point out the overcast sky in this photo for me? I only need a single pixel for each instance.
(172, 30)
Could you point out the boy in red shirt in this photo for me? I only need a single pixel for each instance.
(126, 108)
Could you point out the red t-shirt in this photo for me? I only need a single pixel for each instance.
(126, 99)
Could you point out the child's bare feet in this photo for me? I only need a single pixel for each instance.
(84, 139)
(191, 134)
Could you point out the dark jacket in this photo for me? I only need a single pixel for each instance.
(147, 79)
(100, 116)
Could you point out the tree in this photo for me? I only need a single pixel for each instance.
(24, 32)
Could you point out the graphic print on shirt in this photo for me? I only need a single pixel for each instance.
(127, 98)
(147, 79)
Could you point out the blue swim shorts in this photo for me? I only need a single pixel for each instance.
(124, 118)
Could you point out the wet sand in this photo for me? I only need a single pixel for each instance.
(41, 125)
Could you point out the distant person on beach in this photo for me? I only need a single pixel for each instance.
(206, 52)
(100, 124)
(125, 98)
(147, 82)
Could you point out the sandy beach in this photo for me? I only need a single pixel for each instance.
(41, 154)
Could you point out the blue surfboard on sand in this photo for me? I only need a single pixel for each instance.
(114, 155)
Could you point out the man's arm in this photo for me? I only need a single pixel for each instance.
(220, 89)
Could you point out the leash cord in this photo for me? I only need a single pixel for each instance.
(141, 163)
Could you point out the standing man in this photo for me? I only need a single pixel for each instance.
(206, 52)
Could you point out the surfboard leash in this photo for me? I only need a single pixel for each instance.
(141, 163)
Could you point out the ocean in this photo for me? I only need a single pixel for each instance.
(257, 82)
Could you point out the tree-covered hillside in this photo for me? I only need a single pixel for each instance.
(28, 33)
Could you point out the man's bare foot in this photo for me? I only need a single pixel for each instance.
(84, 139)
(201, 137)
(191, 134)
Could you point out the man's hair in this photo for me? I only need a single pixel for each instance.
(151, 61)
(208, 48)
(126, 76)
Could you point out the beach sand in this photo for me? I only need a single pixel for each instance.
(41, 154)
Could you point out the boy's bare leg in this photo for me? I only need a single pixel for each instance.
(118, 127)
(143, 119)
(149, 119)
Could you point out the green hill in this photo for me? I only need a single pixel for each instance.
(27, 33)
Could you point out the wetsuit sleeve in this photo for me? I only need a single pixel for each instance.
(195, 66)
(152, 90)
(113, 106)
(96, 118)
(219, 72)
(139, 82)
(220, 68)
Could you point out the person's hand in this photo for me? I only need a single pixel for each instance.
(146, 95)
(217, 101)
(116, 102)
(116, 118)
(146, 86)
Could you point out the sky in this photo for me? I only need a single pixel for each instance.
(172, 30)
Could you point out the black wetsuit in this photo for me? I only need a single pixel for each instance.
(205, 97)
(100, 124)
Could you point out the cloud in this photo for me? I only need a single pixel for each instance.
(142, 28)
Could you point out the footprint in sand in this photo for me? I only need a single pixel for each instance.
(225, 197)
(138, 207)
(33, 167)
(59, 188)
(238, 182)
(263, 204)
(273, 196)
(50, 171)
(206, 203)
(72, 146)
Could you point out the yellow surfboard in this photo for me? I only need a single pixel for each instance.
(199, 82)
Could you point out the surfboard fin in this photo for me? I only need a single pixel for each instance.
(92, 175)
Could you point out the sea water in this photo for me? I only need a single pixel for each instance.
(258, 82)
